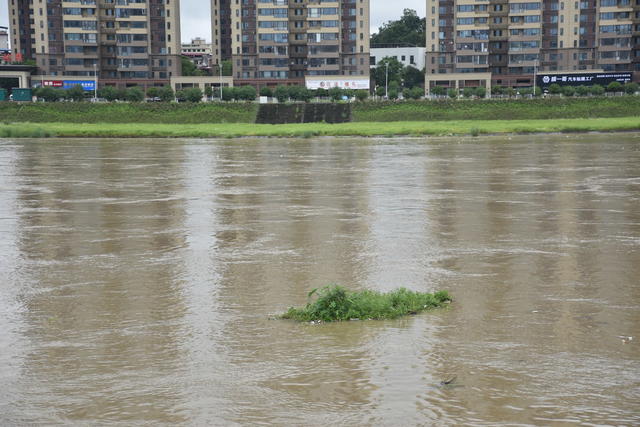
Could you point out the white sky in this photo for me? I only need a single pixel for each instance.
(196, 23)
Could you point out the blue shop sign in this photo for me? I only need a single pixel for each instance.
(86, 85)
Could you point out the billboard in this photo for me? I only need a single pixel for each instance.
(52, 83)
(582, 79)
(86, 85)
(357, 83)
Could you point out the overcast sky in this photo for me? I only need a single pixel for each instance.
(196, 23)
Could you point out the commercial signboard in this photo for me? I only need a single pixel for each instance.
(582, 79)
(86, 85)
(52, 83)
(346, 82)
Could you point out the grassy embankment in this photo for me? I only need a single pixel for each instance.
(414, 118)
(335, 303)
(230, 130)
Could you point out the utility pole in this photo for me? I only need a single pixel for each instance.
(535, 76)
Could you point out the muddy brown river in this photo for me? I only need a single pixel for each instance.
(138, 278)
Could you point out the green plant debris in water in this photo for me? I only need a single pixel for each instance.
(335, 303)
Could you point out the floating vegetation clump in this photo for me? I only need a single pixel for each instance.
(335, 303)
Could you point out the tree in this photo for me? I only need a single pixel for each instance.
(497, 90)
(452, 93)
(76, 93)
(395, 71)
(414, 93)
(246, 93)
(468, 92)
(322, 93)
(152, 92)
(166, 94)
(135, 94)
(631, 88)
(582, 90)
(109, 93)
(568, 91)
(597, 90)
(49, 94)
(555, 89)
(481, 92)
(409, 29)
(227, 93)
(614, 87)
(208, 92)
(281, 93)
(412, 77)
(227, 68)
(439, 90)
(192, 94)
(537, 91)
(189, 68)
(393, 93)
(381, 91)
(266, 91)
(335, 93)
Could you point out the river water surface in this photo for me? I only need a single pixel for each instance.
(138, 278)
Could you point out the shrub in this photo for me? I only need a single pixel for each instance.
(362, 95)
(497, 90)
(452, 93)
(208, 92)
(335, 304)
(537, 91)
(322, 93)
(568, 91)
(468, 92)
(414, 93)
(266, 91)
(393, 94)
(481, 92)
(381, 91)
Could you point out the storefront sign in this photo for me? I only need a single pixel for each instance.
(52, 83)
(346, 83)
(86, 85)
(582, 79)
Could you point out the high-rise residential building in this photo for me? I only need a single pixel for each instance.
(125, 41)
(274, 42)
(513, 40)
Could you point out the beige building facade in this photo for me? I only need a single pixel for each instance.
(126, 42)
(273, 42)
(515, 40)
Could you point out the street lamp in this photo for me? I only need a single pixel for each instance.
(386, 81)
(220, 70)
(95, 81)
(535, 77)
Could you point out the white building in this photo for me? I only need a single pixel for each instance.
(199, 51)
(4, 40)
(414, 56)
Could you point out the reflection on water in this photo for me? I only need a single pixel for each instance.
(138, 278)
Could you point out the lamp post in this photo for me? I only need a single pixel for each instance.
(220, 70)
(535, 76)
(95, 81)
(386, 81)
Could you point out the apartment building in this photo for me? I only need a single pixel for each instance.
(513, 40)
(273, 42)
(127, 42)
(4, 40)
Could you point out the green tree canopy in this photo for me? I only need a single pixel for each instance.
(409, 29)
(189, 68)
(395, 71)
